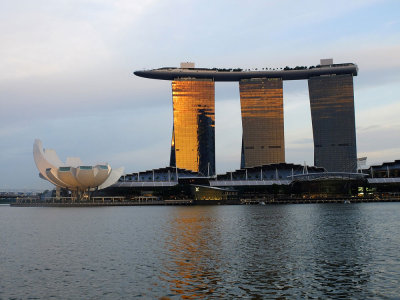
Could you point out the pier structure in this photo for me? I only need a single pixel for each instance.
(261, 97)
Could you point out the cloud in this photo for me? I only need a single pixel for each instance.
(50, 46)
(302, 141)
(56, 37)
(228, 134)
(381, 156)
(384, 116)
(377, 132)
(67, 73)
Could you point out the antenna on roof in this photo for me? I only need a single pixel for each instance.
(305, 170)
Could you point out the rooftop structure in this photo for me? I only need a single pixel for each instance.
(297, 73)
(385, 170)
(168, 174)
(278, 171)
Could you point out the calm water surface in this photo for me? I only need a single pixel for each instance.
(324, 251)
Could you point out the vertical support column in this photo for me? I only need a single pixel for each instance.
(263, 140)
(194, 124)
(172, 160)
(58, 192)
(333, 121)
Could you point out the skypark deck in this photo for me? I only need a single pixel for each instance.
(297, 73)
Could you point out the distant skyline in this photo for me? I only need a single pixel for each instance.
(67, 75)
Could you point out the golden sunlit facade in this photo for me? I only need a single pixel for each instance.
(261, 101)
(333, 121)
(261, 98)
(193, 137)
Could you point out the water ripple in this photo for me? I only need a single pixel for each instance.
(254, 252)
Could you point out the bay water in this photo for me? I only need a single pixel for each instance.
(324, 251)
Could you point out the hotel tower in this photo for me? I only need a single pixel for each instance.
(333, 122)
(193, 135)
(261, 99)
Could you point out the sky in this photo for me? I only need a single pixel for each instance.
(66, 75)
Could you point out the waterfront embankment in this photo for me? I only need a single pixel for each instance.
(119, 201)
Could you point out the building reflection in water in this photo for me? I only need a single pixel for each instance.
(210, 251)
(258, 252)
(342, 252)
(192, 258)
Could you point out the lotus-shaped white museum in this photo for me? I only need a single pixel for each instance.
(73, 174)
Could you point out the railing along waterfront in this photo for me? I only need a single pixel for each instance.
(98, 201)
(300, 200)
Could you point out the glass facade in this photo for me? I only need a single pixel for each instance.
(193, 136)
(261, 101)
(333, 121)
(85, 167)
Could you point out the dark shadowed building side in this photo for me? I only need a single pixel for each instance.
(333, 122)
